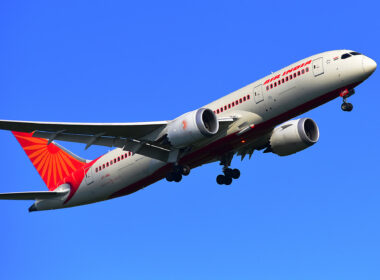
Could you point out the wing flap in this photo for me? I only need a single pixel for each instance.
(145, 148)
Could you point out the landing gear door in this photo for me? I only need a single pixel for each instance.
(88, 175)
(318, 66)
(258, 94)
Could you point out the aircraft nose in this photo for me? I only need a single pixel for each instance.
(369, 65)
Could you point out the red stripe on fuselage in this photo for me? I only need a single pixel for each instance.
(231, 142)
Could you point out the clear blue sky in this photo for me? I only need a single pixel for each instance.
(313, 215)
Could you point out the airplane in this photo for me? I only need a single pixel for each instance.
(258, 116)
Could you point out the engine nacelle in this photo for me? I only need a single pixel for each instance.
(293, 136)
(192, 127)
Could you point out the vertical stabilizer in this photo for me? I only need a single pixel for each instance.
(51, 161)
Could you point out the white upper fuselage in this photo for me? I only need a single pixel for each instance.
(262, 105)
(332, 74)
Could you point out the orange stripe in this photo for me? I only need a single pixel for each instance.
(33, 139)
(35, 147)
(63, 164)
(59, 167)
(45, 166)
(54, 169)
(36, 153)
(68, 161)
(38, 161)
(49, 169)
(69, 157)
(57, 172)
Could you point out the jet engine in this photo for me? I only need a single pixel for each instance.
(192, 127)
(293, 136)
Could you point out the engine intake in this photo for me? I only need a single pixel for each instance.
(293, 136)
(192, 127)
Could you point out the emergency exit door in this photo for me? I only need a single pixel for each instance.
(88, 175)
(318, 66)
(258, 95)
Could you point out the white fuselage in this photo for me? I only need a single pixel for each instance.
(265, 104)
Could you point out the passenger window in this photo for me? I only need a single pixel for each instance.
(114, 161)
(221, 109)
(299, 73)
(290, 76)
(275, 84)
(287, 78)
(126, 155)
(241, 101)
(100, 168)
(229, 106)
(248, 97)
(294, 75)
(283, 80)
(303, 71)
(111, 162)
(344, 56)
(217, 111)
(307, 69)
(244, 98)
(233, 104)
(225, 107)
(271, 86)
(104, 166)
(118, 158)
(96, 169)
(122, 157)
(108, 164)
(267, 87)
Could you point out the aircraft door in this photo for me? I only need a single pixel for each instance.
(318, 66)
(88, 175)
(258, 94)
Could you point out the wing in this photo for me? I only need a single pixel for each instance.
(133, 130)
(136, 137)
(141, 138)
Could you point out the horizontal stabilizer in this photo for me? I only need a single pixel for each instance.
(32, 195)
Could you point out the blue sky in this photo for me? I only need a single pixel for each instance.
(313, 215)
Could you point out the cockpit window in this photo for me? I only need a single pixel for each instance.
(355, 53)
(346, 55)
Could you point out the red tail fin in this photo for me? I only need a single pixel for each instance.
(52, 163)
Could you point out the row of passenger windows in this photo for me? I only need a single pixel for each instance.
(233, 104)
(111, 162)
(287, 78)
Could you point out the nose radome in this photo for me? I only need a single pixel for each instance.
(369, 65)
